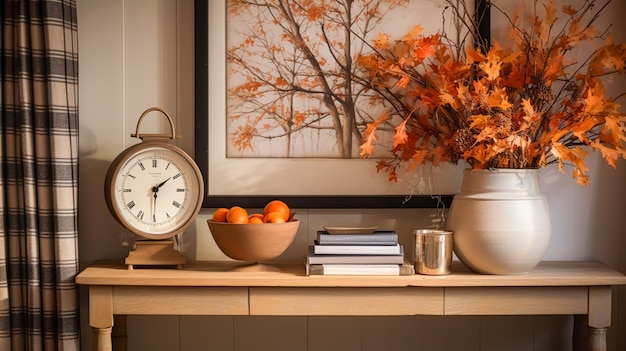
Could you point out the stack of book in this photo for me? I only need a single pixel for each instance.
(376, 253)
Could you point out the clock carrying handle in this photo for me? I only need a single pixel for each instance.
(141, 136)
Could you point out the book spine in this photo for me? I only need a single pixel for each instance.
(357, 250)
(387, 238)
(360, 269)
(354, 259)
(359, 243)
(355, 269)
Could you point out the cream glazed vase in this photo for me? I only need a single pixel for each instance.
(501, 221)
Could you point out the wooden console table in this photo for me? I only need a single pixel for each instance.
(577, 288)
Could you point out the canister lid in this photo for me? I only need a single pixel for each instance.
(432, 232)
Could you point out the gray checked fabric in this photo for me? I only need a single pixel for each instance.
(38, 175)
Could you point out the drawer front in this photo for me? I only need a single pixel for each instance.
(516, 300)
(346, 301)
(180, 300)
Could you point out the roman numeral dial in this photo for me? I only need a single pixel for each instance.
(156, 191)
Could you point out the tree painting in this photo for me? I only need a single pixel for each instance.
(294, 88)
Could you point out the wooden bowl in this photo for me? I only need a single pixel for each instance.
(253, 242)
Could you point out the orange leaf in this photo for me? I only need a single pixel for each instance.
(382, 42)
(559, 151)
(509, 56)
(615, 128)
(299, 118)
(580, 128)
(499, 99)
(369, 135)
(418, 159)
(425, 47)
(438, 155)
(492, 66)
(479, 120)
(550, 12)
(569, 10)
(554, 69)
(280, 81)
(248, 87)
(414, 33)
(478, 154)
(315, 12)
(447, 98)
(529, 110)
(610, 58)
(403, 81)
(400, 136)
(474, 56)
(581, 178)
(574, 156)
(610, 155)
(594, 100)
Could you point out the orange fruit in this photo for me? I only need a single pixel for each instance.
(237, 215)
(255, 220)
(274, 217)
(277, 206)
(255, 215)
(220, 215)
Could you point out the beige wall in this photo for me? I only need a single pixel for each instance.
(135, 54)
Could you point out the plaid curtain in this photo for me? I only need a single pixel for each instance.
(38, 175)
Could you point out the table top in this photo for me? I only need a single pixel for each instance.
(231, 274)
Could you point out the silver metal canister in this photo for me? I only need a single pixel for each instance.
(433, 251)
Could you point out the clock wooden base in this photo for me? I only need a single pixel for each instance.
(154, 253)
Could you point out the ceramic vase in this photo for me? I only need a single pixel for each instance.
(501, 221)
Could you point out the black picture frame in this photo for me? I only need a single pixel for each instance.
(201, 142)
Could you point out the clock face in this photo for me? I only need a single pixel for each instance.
(156, 192)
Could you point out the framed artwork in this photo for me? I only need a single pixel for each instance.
(261, 136)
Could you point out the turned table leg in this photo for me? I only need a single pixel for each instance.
(599, 317)
(597, 339)
(101, 316)
(119, 335)
(101, 339)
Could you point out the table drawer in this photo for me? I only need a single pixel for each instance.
(345, 301)
(516, 300)
(180, 300)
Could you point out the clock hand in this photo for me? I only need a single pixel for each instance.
(160, 185)
(154, 190)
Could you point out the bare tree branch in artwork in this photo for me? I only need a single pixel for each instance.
(293, 77)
